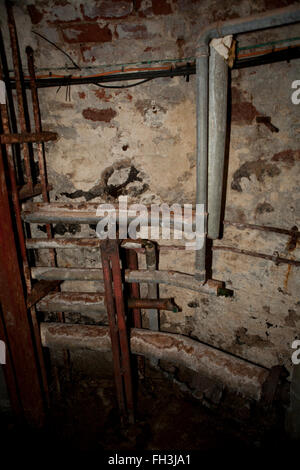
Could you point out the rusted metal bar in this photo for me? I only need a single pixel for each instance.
(235, 373)
(275, 257)
(113, 247)
(263, 228)
(37, 243)
(15, 316)
(152, 265)
(113, 327)
(160, 304)
(21, 237)
(28, 137)
(40, 290)
(19, 89)
(25, 192)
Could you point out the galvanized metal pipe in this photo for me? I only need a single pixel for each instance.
(218, 84)
(235, 373)
(278, 17)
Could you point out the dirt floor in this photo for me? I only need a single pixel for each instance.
(85, 418)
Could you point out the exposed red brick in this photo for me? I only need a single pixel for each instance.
(106, 9)
(287, 156)
(129, 96)
(161, 7)
(36, 15)
(84, 32)
(81, 95)
(132, 31)
(243, 113)
(94, 114)
(101, 94)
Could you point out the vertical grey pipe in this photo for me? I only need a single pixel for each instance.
(202, 152)
(278, 17)
(217, 117)
(151, 261)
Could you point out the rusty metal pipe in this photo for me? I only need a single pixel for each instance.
(235, 373)
(18, 78)
(160, 304)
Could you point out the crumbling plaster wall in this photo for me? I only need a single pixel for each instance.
(140, 142)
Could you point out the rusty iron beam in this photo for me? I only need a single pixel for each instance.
(113, 327)
(21, 239)
(275, 257)
(111, 249)
(160, 304)
(117, 321)
(25, 192)
(24, 126)
(15, 316)
(235, 373)
(28, 137)
(39, 290)
(263, 228)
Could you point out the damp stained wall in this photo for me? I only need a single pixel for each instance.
(140, 142)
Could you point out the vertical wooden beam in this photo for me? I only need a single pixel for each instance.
(15, 317)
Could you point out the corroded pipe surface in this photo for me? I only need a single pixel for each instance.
(235, 373)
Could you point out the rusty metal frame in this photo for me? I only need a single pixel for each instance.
(15, 324)
(117, 325)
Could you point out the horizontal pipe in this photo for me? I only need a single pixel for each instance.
(83, 302)
(27, 137)
(38, 243)
(86, 213)
(174, 278)
(269, 19)
(41, 289)
(26, 192)
(159, 304)
(287, 54)
(275, 258)
(67, 274)
(231, 371)
(263, 228)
